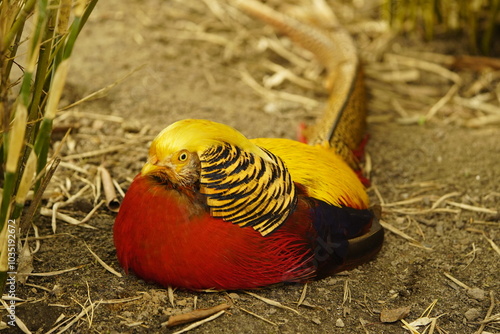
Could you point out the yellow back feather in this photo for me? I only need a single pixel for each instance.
(324, 174)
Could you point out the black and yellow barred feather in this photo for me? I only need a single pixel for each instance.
(246, 189)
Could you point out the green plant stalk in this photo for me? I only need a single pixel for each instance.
(30, 94)
(3, 278)
(387, 11)
(4, 267)
(477, 19)
(42, 146)
(33, 54)
(41, 72)
(488, 34)
(42, 140)
(8, 190)
(39, 93)
(429, 18)
(11, 56)
(43, 136)
(409, 14)
(86, 14)
(14, 148)
(61, 31)
(24, 93)
(472, 28)
(19, 22)
(75, 28)
(5, 143)
(73, 34)
(24, 185)
(18, 209)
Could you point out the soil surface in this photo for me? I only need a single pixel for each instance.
(185, 59)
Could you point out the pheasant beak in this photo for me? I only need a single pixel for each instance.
(150, 168)
(153, 166)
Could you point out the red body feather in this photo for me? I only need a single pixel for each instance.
(172, 240)
(166, 235)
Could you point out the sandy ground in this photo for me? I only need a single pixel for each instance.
(187, 63)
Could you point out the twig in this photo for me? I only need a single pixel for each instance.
(171, 297)
(109, 190)
(271, 94)
(492, 243)
(362, 322)
(473, 253)
(347, 292)
(38, 196)
(118, 301)
(285, 73)
(70, 200)
(483, 222)
(409, 327)
(472, 207)
(422, 212)
(456, 281)
(58, 272)
(199, 323)
(258, 316)
(443, 198)
(379, 195)
(74, 167)
(483, 120)
(424, 65)
(91, 213)
(488, 313)
(85, 311)
(180, 319)
(90, 318)
(38, 287)
(102, 263)
(442, 101)
(293, 58)
(397, 231)
(404, 202)
(118, 188)
(65, 218)
(302, 295)
(272, 302)
(432, 326)
(477, 105)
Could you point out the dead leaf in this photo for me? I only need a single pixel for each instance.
(394, 315)
(25, 266)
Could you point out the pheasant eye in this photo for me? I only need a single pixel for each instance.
(183, 156)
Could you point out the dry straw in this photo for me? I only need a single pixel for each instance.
(37, 91)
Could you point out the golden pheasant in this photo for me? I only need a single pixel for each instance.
(212, 209)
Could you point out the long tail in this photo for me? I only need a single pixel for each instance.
(343, 122)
